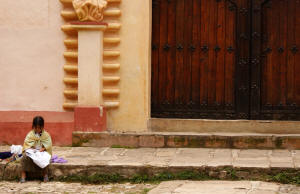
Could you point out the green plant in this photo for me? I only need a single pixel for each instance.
(145, 191)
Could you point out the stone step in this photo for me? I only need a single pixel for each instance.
(92, 164)
(187, 140)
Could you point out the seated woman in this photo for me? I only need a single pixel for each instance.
(37, 139)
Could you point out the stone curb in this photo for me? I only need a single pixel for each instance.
(64, 171)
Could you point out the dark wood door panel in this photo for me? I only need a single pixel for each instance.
(276, 73)
(200, 55)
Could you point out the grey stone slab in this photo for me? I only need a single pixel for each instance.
(297, 162)
(113, 151)
(284, 162)
(204, 187)
(269, 186)
(251, 163)
(185, 163)
(128, 162)
(166, 152)
(281, 153)
(253, 153)
(223, 187)
(160, 162)
(259, 191)
(194, 151)
(220, 162)
(223, 153)
(167, 187)
(140, 152)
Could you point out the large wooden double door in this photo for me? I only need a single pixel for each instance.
(226, 59)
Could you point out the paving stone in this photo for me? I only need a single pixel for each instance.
(253, 153)
(269, 186)
(281, 153)
(159, 162)
(289, 189)
(192, 152)
(167, 187)
(221, 157)
(297, 162)
(284, 162)
(114, 151)
(140, 152)
(191, 157)
(296, 153)
(220, 162)
(128, 161)
(235, 153)
(166, 152)
(223, 153)
(204, 187)
(251, 162)
(222, 187)
(188, 161)
(262, 192)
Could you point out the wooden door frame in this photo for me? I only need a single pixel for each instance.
(242, 72)
(255, 61)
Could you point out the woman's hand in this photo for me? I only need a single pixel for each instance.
(42, 149)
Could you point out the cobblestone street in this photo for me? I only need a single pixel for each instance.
(31, 187)
(223, 187)
(170, 187)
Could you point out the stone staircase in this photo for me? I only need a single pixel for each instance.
(200, 133)
(187, 140)
(169, 154)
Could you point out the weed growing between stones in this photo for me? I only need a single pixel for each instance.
(93, 179)
(232, 174)
(119, 146)
(286, 178)
(116, 178)
(145, 191)
(280, 176)
(278, 143)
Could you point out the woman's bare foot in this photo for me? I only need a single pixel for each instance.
(46, 179)
(23, 177)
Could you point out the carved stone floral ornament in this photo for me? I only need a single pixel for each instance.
(89, 10)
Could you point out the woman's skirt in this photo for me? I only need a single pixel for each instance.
(29, 166)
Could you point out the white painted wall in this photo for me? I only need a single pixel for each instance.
(31, 61)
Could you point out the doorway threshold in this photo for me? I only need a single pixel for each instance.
(223, 126)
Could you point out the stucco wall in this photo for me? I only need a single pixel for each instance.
(31, 49)
(133, 113)
(31, 61)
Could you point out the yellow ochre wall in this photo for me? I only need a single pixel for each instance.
(31, 60)
(134, 110)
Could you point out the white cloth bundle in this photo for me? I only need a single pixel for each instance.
(42, 159)
(16, 149)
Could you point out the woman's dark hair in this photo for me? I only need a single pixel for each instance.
(38, 121)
